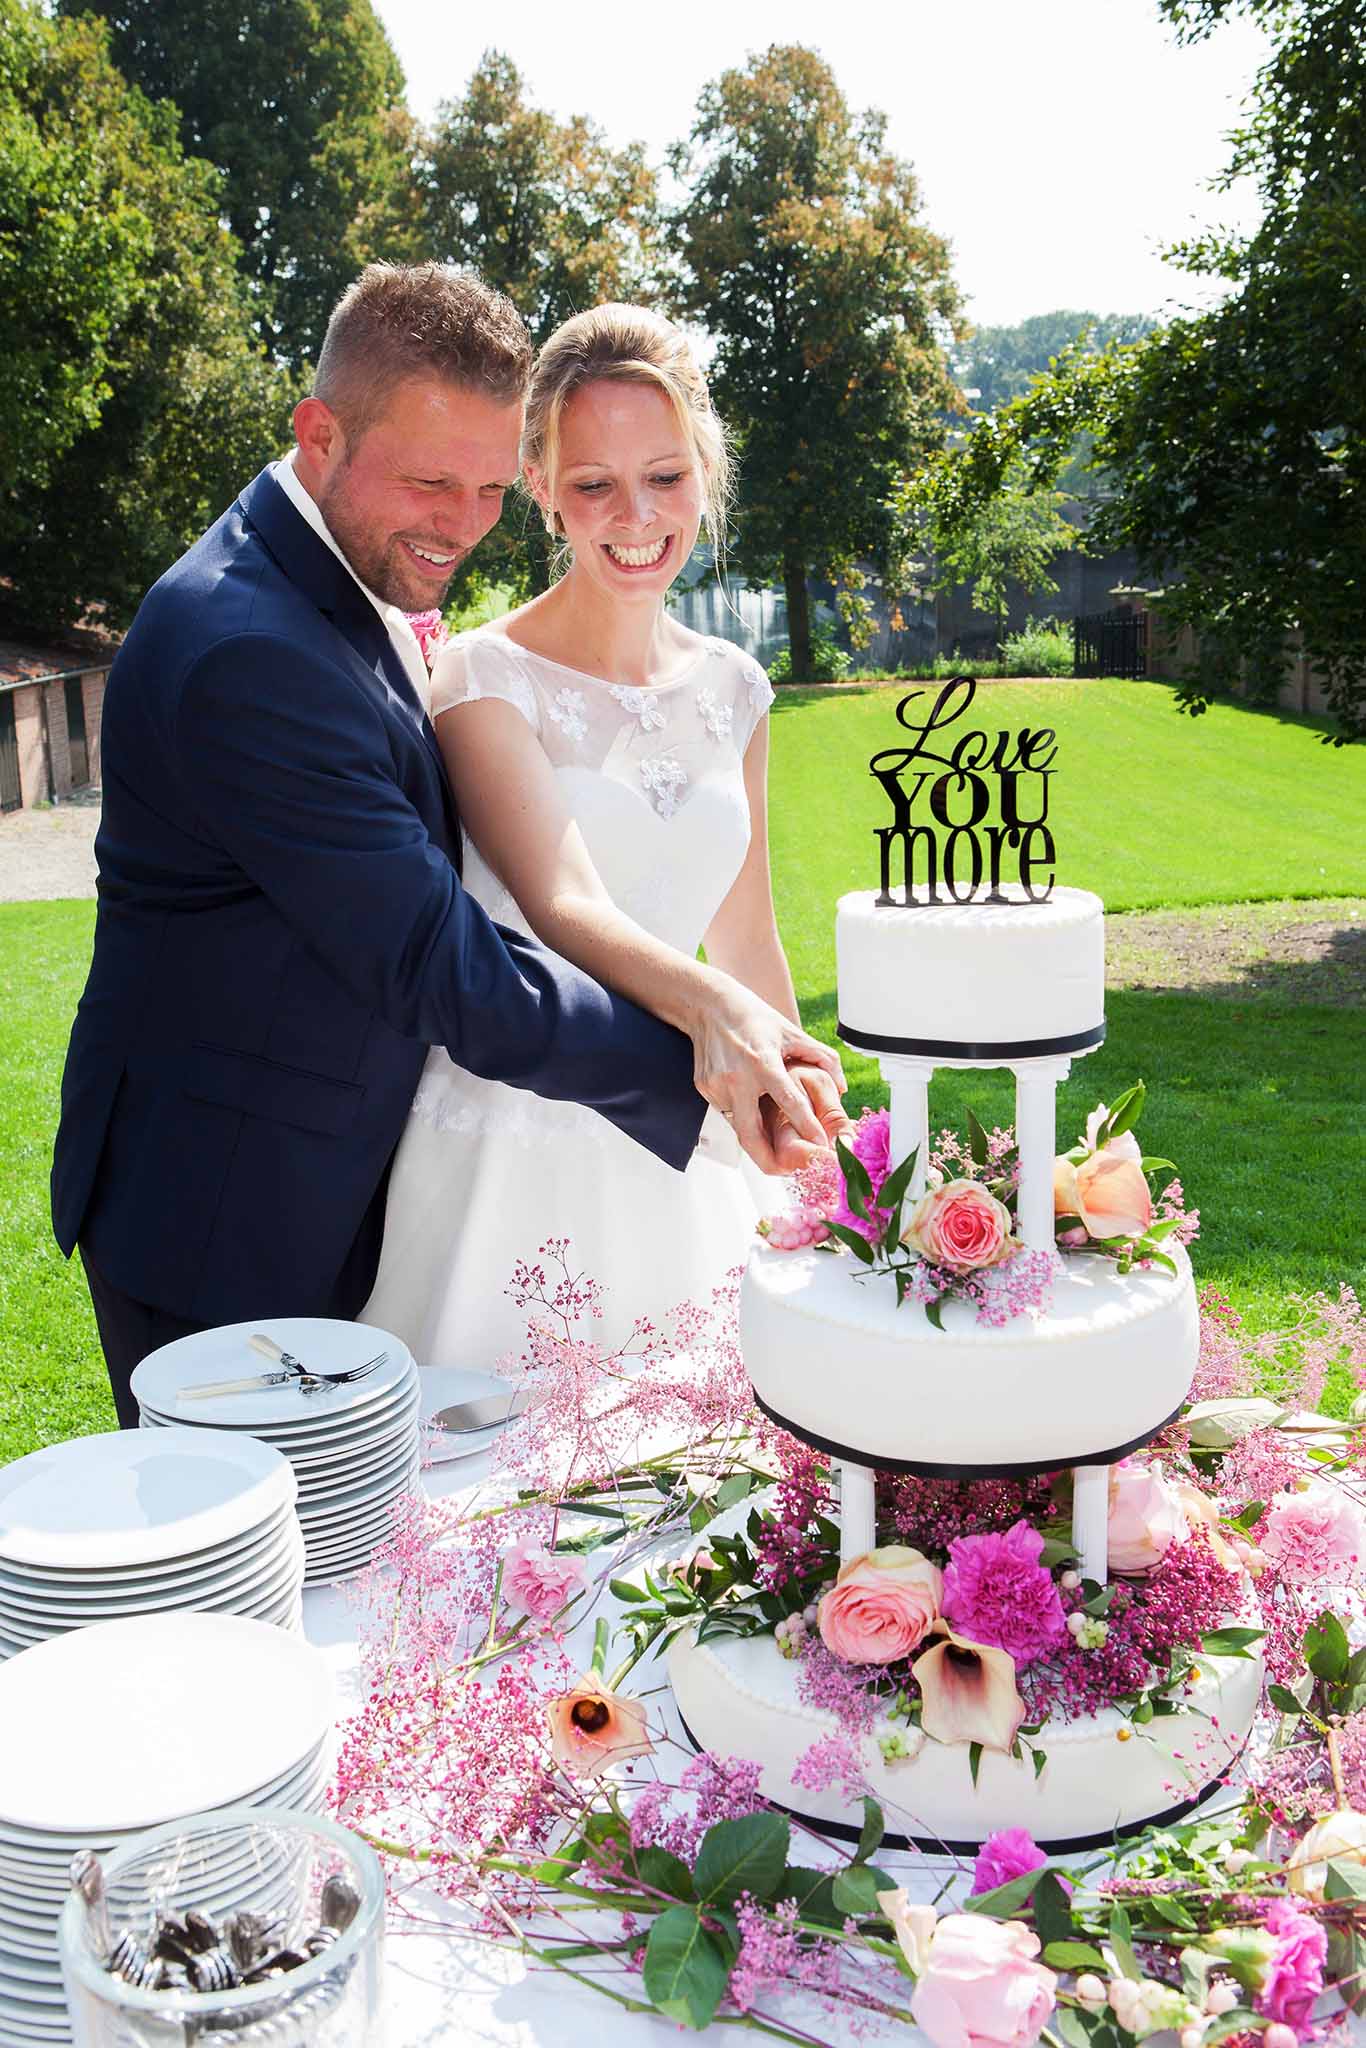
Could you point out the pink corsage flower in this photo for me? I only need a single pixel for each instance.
(962, 1226)
(1294, 1976)
(431, 631)
(538, 1582)
(1010, 1853)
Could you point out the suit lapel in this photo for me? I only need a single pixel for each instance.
(327, 582)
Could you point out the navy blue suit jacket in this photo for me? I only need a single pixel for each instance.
(281, 934)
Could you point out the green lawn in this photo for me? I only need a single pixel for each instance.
(1262, 1103)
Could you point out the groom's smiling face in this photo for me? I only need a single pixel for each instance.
(408, 498)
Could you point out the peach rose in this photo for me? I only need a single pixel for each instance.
(968, 1692)
(1107, 1191)
(961, 1226)
(592, 1727)
(1146, 1517)
(881, 1606)
(981, 1986)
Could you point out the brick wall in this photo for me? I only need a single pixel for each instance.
(58, 739)
(1170, 654)
(92, 691)
(28, 731)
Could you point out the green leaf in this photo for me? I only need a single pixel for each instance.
(858, 1188)
(1121, 1942)
(1283, 1699)
(1230, 1642)
(978, 1144)
(1126, 1112)
(873, 1829)
(685, 1972)
(1326, 1650)
(855, 1890)
(893, 1190)
(1239, 2021)
(974, 1760)
(1052, 1910)
(624, 1590)
(1073, 1955)
(1173, 1912)
(852, 1241)
(664, 1872)
(1038, 1757)
(1005, 1901)
(1147, 1165)
(814, 1891)
(745, 1855)
(1345, 1881)
(737, 1487)
(934, 1314)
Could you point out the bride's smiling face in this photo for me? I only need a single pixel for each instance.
(628, 488)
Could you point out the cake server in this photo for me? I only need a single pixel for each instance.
(463, 1417)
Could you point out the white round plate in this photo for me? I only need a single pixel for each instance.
(248, 1576)
(365, 1493)
(351, 1467)
(20, 1580)
(128, 1496)
(316, 1432)
(224, 1353)
(192, 1711)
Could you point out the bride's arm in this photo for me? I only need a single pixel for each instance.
(513, 809)
(743, 936)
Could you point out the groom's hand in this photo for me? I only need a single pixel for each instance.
(791, 1151)
(758, 1068)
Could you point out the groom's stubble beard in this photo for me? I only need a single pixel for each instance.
(374, 554)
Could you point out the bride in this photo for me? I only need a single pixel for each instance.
(610, 769)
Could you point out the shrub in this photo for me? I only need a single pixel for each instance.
(1043, 648)
(829, 662)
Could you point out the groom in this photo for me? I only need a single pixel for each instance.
(282, 930)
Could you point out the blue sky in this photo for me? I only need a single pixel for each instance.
(1059, 143)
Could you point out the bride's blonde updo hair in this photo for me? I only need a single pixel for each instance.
(631, 345)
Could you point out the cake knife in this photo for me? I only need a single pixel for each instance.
(464, 1417)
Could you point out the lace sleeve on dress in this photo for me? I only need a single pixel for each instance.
(753, 699)
(482, 666)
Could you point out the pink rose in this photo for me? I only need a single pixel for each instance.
(981, 1986)
(431, 632)
(881, 1606)
(538, 1582)
(1146, 1517)
(1107, 1191)
(961, 1226)
(1314, 1537)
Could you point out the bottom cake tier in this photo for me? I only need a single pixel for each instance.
(1102, 1776)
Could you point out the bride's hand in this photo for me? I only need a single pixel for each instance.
(743, 1051)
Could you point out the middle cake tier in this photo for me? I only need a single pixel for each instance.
(834, 1360)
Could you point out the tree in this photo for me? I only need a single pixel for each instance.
(118, 286)
(830, 303)
(996, 364)
(1236, 439)
(300, 105)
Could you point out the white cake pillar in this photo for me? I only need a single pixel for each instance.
(857, 1532)
(908, 1080)
(1036, 1134)
(1090, 1520)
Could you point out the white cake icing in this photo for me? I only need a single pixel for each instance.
(972, 974)
(739, 1697)
(833, 1357)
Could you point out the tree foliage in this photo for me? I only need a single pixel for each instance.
(830, 303)
(1236, 438)
(300, 104)
(996, 364)
(136, 395)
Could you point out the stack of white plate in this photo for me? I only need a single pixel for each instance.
(354, 1447)
(120, 1524)
(116, 1728)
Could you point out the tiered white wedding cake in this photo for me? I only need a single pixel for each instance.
(1011, 979)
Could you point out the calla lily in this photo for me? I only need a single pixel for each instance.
(1108, 1192)
(592, 1727)
(1339, 1836)
(913, 1926)
(968, 1692)
(1125, 1146)
(1201, 1512)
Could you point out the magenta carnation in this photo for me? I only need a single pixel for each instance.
(1005, 1855)
(997, 1592)
(869, 1142)
(1294, 1976)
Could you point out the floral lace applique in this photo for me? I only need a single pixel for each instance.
(642, 704)
(567, 712)
(716, 717)
(760, 691)
(664, 778)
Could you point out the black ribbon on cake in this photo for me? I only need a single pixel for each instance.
(972, 1049)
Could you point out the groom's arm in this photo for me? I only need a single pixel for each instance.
(288, 764)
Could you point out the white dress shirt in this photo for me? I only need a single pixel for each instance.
(401, 634)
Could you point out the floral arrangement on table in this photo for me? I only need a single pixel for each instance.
(959, 1240)
(541, 1791)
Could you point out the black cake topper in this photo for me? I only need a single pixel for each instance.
(959, 799)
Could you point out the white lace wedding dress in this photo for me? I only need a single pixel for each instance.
(486, 1173)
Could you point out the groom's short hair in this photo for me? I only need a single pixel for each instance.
(418, 320)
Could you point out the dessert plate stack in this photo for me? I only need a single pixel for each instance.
(116, 1728)
(353, 1446)
(104, 1527)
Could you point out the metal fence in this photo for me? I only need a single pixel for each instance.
(1110, 644)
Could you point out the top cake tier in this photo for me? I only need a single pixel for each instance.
(984, 983)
